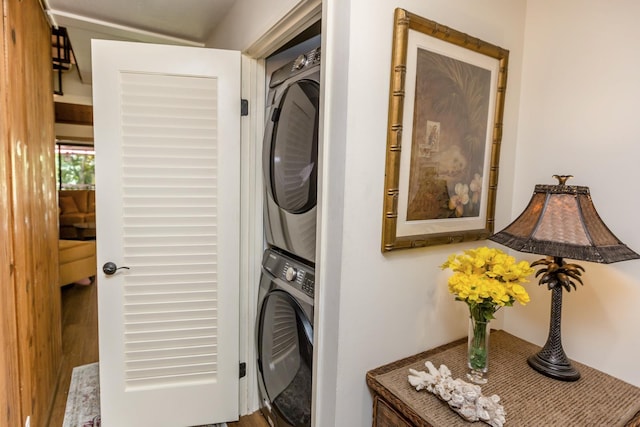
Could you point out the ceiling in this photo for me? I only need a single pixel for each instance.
(183, 22)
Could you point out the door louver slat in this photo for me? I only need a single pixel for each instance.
(169, 162)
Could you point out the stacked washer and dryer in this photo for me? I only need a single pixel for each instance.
(286, 294)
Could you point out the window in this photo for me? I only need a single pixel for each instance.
(75, 166)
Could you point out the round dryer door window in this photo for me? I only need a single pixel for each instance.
(294, 148)
(285, 351)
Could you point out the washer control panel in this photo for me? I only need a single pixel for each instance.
(300, 276)
(308, 59)
(291, 271)
(302, 62)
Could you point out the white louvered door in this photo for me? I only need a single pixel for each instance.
(166, 125)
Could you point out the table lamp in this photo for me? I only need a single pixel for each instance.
(561, 222)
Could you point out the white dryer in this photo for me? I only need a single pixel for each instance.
(290, 156)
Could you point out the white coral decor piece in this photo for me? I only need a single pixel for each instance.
(464, 398)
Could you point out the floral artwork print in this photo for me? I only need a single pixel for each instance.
(451, 108)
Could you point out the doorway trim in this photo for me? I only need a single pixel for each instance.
(297, 20)
(304, 14)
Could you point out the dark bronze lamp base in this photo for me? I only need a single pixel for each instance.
(552, 360)
(559, 370)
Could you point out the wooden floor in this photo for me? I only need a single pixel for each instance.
(80, 346)
(79, 340)
(254, 420)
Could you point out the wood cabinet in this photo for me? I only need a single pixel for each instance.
(30, 336)
(528, 397)
(386, 416)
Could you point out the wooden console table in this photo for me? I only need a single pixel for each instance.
(529, 398)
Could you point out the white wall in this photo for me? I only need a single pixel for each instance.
(377, 308)
(74, 91)
(570, 108)
(248, 21)
(579, 116)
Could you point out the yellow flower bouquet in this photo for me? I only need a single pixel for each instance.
(486, 279)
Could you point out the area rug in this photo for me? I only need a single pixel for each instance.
(83, 400)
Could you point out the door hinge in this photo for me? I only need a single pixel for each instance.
(243, 369)
(244, 107)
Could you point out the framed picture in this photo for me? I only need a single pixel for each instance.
(446, 103)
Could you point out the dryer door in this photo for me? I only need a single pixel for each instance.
(291, 163)
(285, 354)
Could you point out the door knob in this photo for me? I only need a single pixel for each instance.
(110, 268)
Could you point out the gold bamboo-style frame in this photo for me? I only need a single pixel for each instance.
(404, 23)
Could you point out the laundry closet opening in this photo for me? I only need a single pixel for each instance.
(286, 295)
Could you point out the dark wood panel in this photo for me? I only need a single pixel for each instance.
(10, 410)
(29, 140)
(15, 91)
(43, 212)
(74, 114)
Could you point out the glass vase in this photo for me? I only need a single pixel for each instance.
(478, 350)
